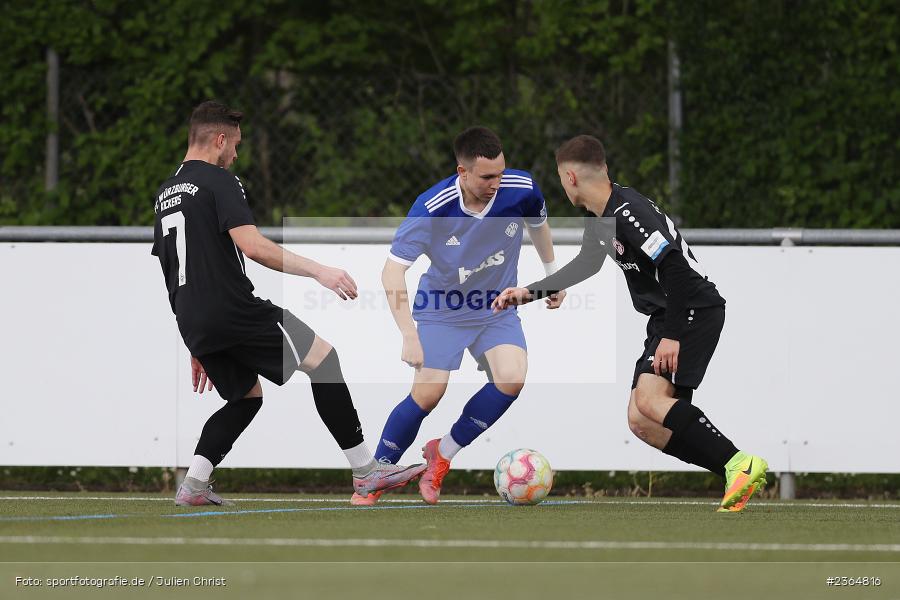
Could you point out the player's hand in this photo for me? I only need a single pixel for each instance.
(511, 297)
(412, 353)
(665, 359)
(338, 281)
(199, 377)
(555, 300)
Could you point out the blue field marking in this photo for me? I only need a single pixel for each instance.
(215, 513)
(219, 513)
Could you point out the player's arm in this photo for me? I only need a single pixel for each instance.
(199, 377)
(393, 278)
(676, 279)
(673, 273)
(535, 214)
(586, 264)
(543, 243)
(259, 248)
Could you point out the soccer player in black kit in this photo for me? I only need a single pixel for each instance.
(686, 316)
(203, 230)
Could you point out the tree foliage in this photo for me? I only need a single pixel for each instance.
(793, 114)
(791, 110)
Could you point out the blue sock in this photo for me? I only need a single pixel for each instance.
(400, 430)
(481, 411)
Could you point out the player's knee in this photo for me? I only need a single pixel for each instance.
(509, 378)
(427, 396)
(251, 406)
(317, 353)
(635, 426)
(643, 401)
(328, 368)
(510, 388)
(638, 423)
(255, 391)
(427, 402)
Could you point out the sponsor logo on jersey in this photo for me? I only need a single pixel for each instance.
(164, 202)
(511, 229)
(655, 244)
(628, 266)
(181, 188)
(490, 261)
(163, 205)
(620, 249)
(452, 241)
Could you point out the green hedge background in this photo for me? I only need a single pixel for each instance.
(791, 110)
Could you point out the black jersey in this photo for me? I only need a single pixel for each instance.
(209, 291)
(642, 237)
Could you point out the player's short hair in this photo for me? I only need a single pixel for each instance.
(583, 149)
(475, 142)
(210, 116)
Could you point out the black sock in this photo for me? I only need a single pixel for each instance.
(333, 402)
(696, 440)
(682, 451)
(224, 427)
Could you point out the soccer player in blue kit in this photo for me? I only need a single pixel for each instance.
(470, 227)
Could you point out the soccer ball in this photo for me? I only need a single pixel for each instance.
(523, 476)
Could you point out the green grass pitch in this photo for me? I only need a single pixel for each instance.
(466, 547)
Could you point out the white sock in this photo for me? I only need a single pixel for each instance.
(448, 447)
(201, 468)
(359, 457)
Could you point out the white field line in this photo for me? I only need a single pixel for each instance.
(421, 543)
(413, 499)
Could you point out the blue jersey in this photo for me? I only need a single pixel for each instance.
(474, 256)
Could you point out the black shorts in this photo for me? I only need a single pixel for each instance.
(275, 353)
(698, 343)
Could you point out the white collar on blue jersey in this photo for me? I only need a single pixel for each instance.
(472, 213)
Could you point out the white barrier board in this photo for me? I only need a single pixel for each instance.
(96, 373)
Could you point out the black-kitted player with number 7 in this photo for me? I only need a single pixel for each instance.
(202, 231)
(686, 314)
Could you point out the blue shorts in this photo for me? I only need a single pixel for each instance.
(445, 343)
